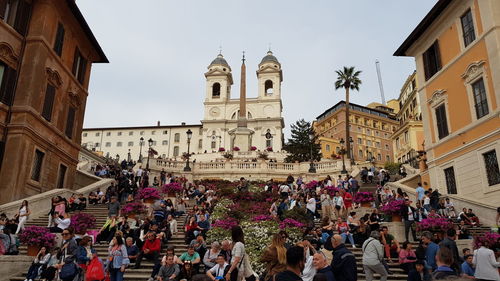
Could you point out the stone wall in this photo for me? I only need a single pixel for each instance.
(83, 179)
(12, 265)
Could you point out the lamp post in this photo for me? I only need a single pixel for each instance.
(150, 143)
(343, 151)
(141, 143)
(312, 169)
(352, 151)
(189, 135)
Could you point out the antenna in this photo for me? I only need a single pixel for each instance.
(269, 49)
(380, 84)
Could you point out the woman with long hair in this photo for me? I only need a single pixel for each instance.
(118, 259)
(22, 215)
(41, 260)
(274, 257)
(240, 264)
(85, 252)
(190, 227)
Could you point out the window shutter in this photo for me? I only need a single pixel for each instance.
(70, 122)
(8, 86)
(82, 70)
(22, 17)
(48, 103)
(58, 45)
(3, 6)
(425, 57)
(441, 121)
(438, 55)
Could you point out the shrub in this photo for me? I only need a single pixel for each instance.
(253, 148)
(488, 240)
(363, 197)
(236, 148)
(222, 149)
(173, 187)
(82, 222)
(136, 208)
(392, 167)
(392, 207)
(149, 193)
(434, 225)
(37, 236)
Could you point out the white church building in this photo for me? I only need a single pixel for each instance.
(221, 114)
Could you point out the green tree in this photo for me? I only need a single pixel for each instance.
(348, 79)
(299, 145)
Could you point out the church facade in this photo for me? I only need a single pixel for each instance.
(221, 114)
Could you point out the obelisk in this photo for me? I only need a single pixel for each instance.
(241, 136)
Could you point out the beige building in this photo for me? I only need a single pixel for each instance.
(409, 137)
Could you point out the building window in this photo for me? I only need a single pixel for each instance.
(377, 144)
(360, 153)
(360, 141)
(368, 132)
(97, 144)
(108, 134)
(216, 90)
(406, 137)
(468, 28)
(213, 145)
(131, 133)
(141, 133)
(387, 158)
(84, 134)
(368, 142)
(441, 121)
(8, 80)
(108, 144)
(177, 137)
(164, 142)
(58, 44)
(379, 157)
(48, 103)
(200, 144)
(130, 143)
(15, 13)
(119, 133)
(432, 60)
(70, 122)
(119, 144)
(451, 186)
(397, 143)
(480, 100)
(492, 170)
(268, 87)
(327, 147)
(97, 134)
(36, 169)
(176, 151)
(61, 176)
(165, 132)
(387, 147)
(153, 143)
(153, 133)
(79, 66)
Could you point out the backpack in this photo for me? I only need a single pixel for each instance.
(68, 271)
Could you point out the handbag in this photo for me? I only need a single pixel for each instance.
(95, 270)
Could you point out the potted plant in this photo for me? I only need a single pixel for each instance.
(312, 184)
(132, 209)
(236, 148)
(171, 189)
(364, 198)
(228, 155)
(434, 225)
(82, 222)
(36, 237)
(262, 155)
(393, 208)
(149, 194)
(488, 240)
(269, 148)
(253, 148)
(222, 149)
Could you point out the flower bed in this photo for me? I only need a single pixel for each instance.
(363, 197)
(312, 184)
(37, 236)
(173, 187)
(269, 148)
(133, 208)
(149, 193)
(392, 207)
(236, 148)
(226, 223)
(82, 222)
(488, 240)
(435, 225)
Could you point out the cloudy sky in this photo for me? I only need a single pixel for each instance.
(160, 49)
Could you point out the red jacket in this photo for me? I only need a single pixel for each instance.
(153, 246)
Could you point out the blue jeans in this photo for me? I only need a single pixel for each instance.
(345, 235)
(115, 274)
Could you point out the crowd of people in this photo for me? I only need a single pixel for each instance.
(333, 221)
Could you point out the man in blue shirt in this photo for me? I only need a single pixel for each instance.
(430, 251)
(420, 193)
(468, 269)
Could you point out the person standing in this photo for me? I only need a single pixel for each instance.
(240, 263)
(118, 258)
(326, 204)
(449, 242)
(294, 265)
(486, 264)
(419, 192)
(408, 214)
(22, 215)
(338, 203)
(431, 250)
(113, 207)
(274, 257)
(373, 255)
(344, 262)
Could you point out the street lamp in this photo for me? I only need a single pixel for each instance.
(352, 151)
(189, 135)
(312, 169)
(150, 143)
(141, 143)
(343, 151)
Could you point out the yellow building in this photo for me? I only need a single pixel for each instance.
(407, 140)
(371, 131)
(457, 52)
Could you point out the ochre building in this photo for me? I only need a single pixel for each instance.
(457, 52)
(46, 53)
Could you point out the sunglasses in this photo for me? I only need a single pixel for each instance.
(64, 234)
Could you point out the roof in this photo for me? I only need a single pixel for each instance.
(353, 106)
(220, 60)
(269, 58)
(83, 23)
(422, 27)
(139, 127)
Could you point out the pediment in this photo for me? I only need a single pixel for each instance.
(7, 54)
(53, 77)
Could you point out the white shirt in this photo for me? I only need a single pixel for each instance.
(338, 201)
(139, 173)
(309, 270)
(284, 188)
(217, 270)
(427, 200)
(486, 264)
(311, 205)
(63, 223)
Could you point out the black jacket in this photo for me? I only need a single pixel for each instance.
(452, 245)
(404, 212)
(415, 276)
(343, 263)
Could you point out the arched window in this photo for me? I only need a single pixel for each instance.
(268, 87)
(327, 147)
(235, 115)
(216, 90)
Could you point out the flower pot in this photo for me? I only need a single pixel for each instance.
(149, 200)
(366, 204)
(171, 194)
(33, 250)
(396, 218)
(131, 216)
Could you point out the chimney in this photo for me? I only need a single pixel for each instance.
(183, 124)
(158, 123)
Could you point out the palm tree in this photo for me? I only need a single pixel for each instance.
(348, 79)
